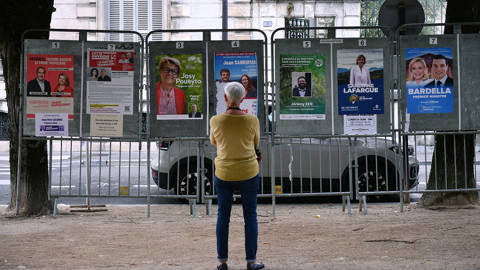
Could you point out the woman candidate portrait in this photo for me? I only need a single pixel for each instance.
(417, 73)
(250, 90)
(63, 88)
(360, 74)
(93, 74)
(170, 99)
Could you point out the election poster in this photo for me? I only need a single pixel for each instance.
(360, 124)
(302, 87)
(49, 124)
(179, 87)
(429, 80)
(106, 125)
(49, 85)
(237, 67)
(110, 81)
(360, 81)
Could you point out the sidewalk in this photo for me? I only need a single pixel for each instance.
(308, 236)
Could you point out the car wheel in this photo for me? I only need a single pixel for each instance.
(375, 175)
(372, 176)
(188, 181)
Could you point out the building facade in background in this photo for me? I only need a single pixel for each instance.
(144, 16)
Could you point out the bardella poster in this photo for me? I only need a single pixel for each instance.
(360, 81)
(179, 86)
(429, 80)
(302, 87)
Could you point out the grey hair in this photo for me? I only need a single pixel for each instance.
(234, 91)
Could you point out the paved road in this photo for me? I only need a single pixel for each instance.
(4, 178)
(70, 178)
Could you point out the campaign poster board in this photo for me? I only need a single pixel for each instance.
(360, 81)
(302, 87)
(110, 81)
(423, 107)
(248, 59)
(179, 86)
(429, 80)
(469, 57)
(178, 101)
(239, 67)
(57, 57)
(112, 78)
(296, 114)
(50, 84)
(363, 103)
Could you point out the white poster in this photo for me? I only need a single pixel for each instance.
(110, 82)
(51, 124)
(106, 125)
(360, 124)
(239, 67)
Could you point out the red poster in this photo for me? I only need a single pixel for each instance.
(116, 60)
(50, 84)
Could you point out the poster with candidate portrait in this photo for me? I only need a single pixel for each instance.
(49, 84)
(110, 81)
(360, 81)
(179, 86)
(429, 80)
(237, 67)
(302, 87)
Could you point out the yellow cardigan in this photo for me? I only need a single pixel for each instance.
(236, 137)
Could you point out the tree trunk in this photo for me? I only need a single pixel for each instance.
(16, 17)
(454, 155)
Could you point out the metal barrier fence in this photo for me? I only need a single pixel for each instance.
(439, 172)
(437, 115)
(69, 108)
(96, 168)
(301, 158)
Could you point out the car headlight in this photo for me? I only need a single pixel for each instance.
(397, 149)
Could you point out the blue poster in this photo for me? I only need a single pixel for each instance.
(360, 81)
(239, 67)
(429, 80)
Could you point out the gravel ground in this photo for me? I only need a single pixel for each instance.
(307, 236)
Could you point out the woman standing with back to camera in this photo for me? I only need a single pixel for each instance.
(236, 135)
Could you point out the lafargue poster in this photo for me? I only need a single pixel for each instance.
(179, 87)
(360, 81)
(429, 80)
(302, 87)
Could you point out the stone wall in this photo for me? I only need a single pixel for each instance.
(77, 14)
(265, 15)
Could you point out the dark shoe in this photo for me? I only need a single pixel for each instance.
(255, 266)
(223, 266)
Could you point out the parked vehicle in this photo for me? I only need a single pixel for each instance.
(302, 165)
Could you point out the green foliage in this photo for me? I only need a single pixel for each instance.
(434, 13)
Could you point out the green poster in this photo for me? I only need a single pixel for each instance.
(179, 86)
(302, 87)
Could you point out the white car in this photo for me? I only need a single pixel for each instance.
(306, 165)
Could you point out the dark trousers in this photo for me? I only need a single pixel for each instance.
(248, 190)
